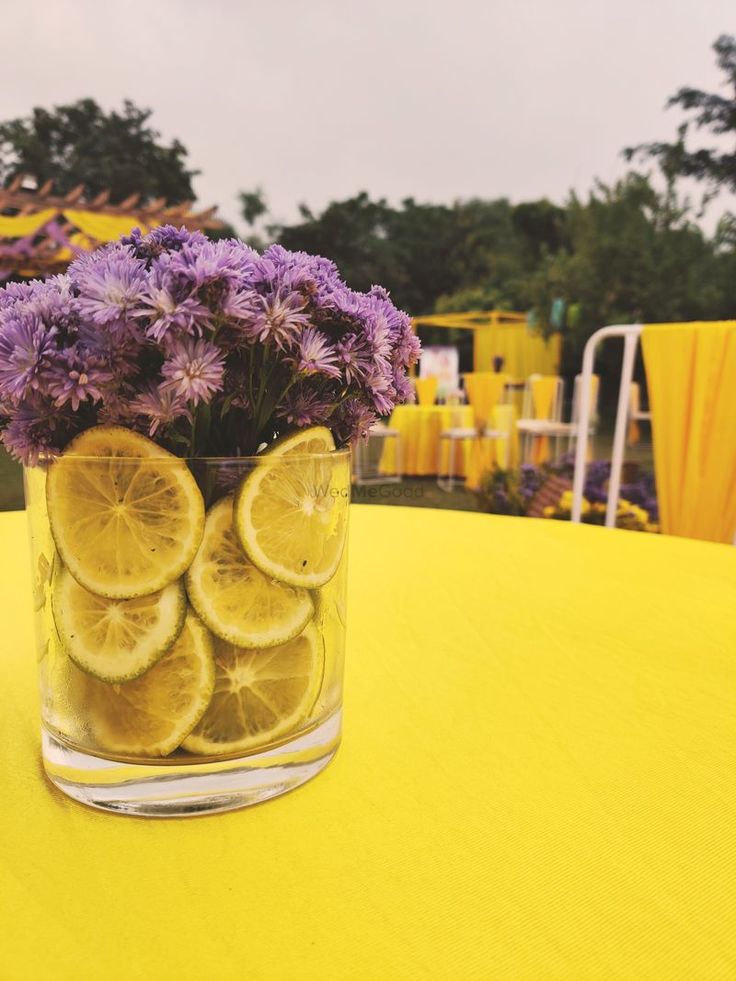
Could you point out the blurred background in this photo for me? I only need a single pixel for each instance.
(570, 162)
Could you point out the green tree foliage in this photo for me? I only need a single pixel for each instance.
(626, 253)
(708, 111)
(466, 255)
(633, 255)
(79, 143)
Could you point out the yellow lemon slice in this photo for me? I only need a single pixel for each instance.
(153, 714)
(116, 640)
(259, 696)
(291, 513)
(234, 598)
(127, 517)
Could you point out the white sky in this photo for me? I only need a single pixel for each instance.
(318, 100)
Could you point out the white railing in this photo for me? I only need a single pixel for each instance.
(630, 334)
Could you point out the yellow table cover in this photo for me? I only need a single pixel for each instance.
(419, 428)
(537, 781)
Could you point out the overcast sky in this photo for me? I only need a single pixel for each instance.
(317, 100)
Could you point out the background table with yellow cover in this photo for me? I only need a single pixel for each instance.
(537, 781)
(419, 428)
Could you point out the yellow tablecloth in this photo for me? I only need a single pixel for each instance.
(419, 427)
(536, 782)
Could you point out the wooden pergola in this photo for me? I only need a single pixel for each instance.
(40, 232)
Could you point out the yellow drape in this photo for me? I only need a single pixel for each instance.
(691, 376)
(105, 228)
(487, 453)
(634, 434)
(484, 389)
(544, 390)
(524, 353)
(18, 226)
(426, 390)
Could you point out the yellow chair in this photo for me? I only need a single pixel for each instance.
(541, 407)
(484, 389)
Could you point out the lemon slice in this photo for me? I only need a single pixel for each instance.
(126, 516)
(64, 693)
(291, 512)
(152, 715)
(116, 640)
(234, 598)
(259, 695)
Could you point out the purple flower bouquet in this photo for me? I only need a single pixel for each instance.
(184, 411)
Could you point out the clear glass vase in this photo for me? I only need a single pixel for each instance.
(190, 624)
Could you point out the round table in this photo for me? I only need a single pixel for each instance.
(536, 782)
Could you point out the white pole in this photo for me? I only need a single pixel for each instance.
(631, 339)
(583, 421)
(630, 333)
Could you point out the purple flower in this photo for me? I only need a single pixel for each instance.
(354, 357)
(161, 406)
(110, 284)
(278, 319)
(222, 264)
(77, 377)
(163, 308)
(143, 331)
(303, 406)
(36, 431)
(26, 347)
(351, 421)
(194, 370)
(164, 238)
(315, 355)
(312, 276)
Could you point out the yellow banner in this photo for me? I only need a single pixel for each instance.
(18, 226)
(692, 397)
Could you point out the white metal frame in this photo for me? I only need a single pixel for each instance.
(630, 334)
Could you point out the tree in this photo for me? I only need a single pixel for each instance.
(79, 143)
(710, 111)
(429, 253)
(633, 255)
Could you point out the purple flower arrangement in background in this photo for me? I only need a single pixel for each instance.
(209, 348)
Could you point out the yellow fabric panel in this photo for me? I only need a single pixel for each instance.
(692, 397)
(524, 353)
(537, 781)
(426, 390)
(18, 226)
(484, 390)
(419, 427)
(543, 391)
(104, 228)
(634, 433)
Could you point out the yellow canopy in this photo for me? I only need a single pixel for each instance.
(500, 333)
